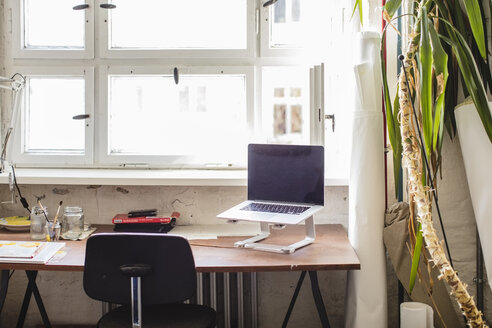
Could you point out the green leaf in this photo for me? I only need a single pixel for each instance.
(440, 62)
(475, 18)
(415, 258)
(358, 4)
(392, 6)
(471, 76)
(392, 123)
(425, 70)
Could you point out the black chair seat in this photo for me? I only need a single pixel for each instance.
(170, 315)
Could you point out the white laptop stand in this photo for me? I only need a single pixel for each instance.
(288, 249)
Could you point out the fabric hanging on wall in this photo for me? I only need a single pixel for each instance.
(477, 156)
(366, 302)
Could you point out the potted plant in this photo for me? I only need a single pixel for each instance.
(438, 52)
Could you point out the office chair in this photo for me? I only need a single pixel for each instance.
(150, 275)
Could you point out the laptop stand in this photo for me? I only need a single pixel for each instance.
(288, 249)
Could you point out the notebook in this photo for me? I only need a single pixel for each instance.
(285, 184)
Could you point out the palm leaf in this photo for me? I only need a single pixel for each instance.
(391, 7)
(392, 123)
(358, 4)
(471, 76)
(476, 24)
(440, 61)
(425, 70)
(415, 258)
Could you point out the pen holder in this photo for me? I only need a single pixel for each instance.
(53, 231)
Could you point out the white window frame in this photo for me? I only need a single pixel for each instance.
(265, 50)
(22, 158)
(251, 30)
(103, 153)
(19, 51)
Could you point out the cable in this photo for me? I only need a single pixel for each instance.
(401, 58)
(22, 199)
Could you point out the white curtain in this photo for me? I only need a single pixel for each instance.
(366, 303)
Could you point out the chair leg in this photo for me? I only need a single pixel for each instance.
(136, 304)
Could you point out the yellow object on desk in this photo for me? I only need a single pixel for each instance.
(15, 223)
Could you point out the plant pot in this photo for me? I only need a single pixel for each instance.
(476, 149)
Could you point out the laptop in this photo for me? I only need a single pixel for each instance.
(285, 184)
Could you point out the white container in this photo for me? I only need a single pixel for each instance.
(416, 315)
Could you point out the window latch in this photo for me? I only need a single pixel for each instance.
(80, 7)
(81, 117)
(176, 75)
(107, 6)
(269, 3)
(332, 118)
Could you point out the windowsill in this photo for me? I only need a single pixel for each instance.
(155, 177)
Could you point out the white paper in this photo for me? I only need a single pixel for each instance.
(477, 157)
(366, 302)
(44, 255)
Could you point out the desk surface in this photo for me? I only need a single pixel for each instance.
(330, 251)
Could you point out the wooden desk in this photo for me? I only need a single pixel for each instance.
(330, 251)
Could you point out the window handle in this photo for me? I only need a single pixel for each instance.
(269, 3)
(107, 6)
(81, 117)
(176, 75)
(81, 7)
(332, 118)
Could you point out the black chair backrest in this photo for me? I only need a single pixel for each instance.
(172, 276)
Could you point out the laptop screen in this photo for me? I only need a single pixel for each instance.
(286, 173)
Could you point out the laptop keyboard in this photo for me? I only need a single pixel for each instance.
(275, 208)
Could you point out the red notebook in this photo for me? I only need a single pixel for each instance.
(123, 218)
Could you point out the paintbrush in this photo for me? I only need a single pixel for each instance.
(56, 216)
(42, 209)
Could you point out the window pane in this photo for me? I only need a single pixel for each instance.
(202, 116)
(52, 102)
(183, 24)
(53, 24)
(285, 105)
(297, 24)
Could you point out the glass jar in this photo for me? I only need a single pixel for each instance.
(73, 222)
(38, 222)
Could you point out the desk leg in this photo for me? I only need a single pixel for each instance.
(294, 298)
(32, 288)
(318, 299)
(4, 285)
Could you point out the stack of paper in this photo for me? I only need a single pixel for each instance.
(28, 251)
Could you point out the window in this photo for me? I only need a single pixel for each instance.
(166, 83)
(47, 132)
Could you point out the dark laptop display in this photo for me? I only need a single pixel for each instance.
(286, 173)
